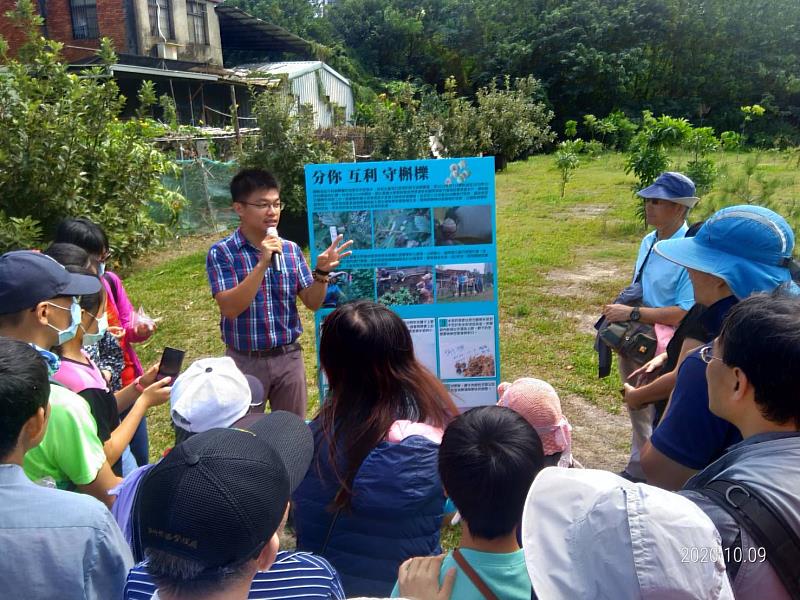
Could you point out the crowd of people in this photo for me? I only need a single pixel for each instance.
(707, 507)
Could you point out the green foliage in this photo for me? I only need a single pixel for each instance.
(700, 169)
(403, 228)
(571, 128)
(361, 284)
(285, 144)
(463, 132)
(592, 56)
(647, 154)
(353, 225)
(65, 152)
(19, 233)
(400, 130)
(567, 161)
(618, 130)
(730, 140)
(517, 121)
(511, 121)
(169, 111)
(400, 296)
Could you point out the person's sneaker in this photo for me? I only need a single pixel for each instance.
(625, 475)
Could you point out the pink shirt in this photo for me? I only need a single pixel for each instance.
(78, 377)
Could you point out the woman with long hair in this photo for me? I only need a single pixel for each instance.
(372, 497)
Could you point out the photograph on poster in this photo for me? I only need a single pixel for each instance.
(463, 225)
(405, 285)
(423, 335)
(467, 347)
(347, 285)
(403, 228)
(354, 225)
(472, 282)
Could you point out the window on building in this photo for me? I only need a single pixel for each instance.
(84, 19)
(160, 12)
(197, 21)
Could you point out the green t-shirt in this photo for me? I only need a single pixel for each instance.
(505, 574)
(70, 453)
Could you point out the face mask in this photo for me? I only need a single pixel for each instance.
(101, 269)
(52, 359)
(92, 338)
(65, 335)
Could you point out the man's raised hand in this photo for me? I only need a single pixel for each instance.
(334, 254)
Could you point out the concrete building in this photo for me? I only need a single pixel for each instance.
(176, 44)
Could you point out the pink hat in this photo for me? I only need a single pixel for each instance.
(537, 402)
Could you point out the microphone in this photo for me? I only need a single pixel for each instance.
(276, 258)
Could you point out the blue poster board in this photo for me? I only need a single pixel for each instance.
(425, 244)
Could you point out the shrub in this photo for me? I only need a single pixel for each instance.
(462, 132)
(517, 121)
(700, 169)
(286, 142)
(730, 140)
(399, 129)
(65, 153)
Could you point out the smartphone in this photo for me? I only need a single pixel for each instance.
(171, 361)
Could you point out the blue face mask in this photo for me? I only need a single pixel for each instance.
(53, 361)
(102, 326)
(65, 335)
(101, 269)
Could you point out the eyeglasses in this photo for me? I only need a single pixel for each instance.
(706, 354)
(276, 206)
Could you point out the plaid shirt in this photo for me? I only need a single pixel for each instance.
(272, 319)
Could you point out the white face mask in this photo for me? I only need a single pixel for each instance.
(65, 335)
(102, 326)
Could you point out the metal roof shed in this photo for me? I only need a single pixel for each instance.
(315, 83)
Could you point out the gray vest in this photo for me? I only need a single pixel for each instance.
(770, 464)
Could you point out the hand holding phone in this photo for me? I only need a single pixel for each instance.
(171, 362)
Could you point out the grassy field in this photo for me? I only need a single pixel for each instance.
(559, 261)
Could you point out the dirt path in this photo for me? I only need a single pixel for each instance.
(601, 440)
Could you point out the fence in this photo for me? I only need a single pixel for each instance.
(204, 183)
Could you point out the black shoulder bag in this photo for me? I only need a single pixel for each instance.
(765, 525)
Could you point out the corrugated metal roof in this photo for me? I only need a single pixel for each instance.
(293, 69)
(242, 31)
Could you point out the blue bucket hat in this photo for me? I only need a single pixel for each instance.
(749, 247)
(672, 186)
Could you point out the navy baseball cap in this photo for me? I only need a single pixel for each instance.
(749, 247)
(675, 187)
(27, 278)
(218, 497)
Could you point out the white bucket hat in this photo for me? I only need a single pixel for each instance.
(593, 534)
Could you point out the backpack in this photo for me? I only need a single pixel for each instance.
(765, 525)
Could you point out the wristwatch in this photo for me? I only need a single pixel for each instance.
(635, 314)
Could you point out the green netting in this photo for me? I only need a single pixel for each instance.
(204, 184)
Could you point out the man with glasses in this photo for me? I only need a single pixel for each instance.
(754, 385)
(739, 251)
(258, 303)
(666, 292)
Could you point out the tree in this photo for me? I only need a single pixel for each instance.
(65, 152)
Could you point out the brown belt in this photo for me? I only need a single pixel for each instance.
(277, 351)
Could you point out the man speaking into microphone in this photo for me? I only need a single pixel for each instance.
(256, 277)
